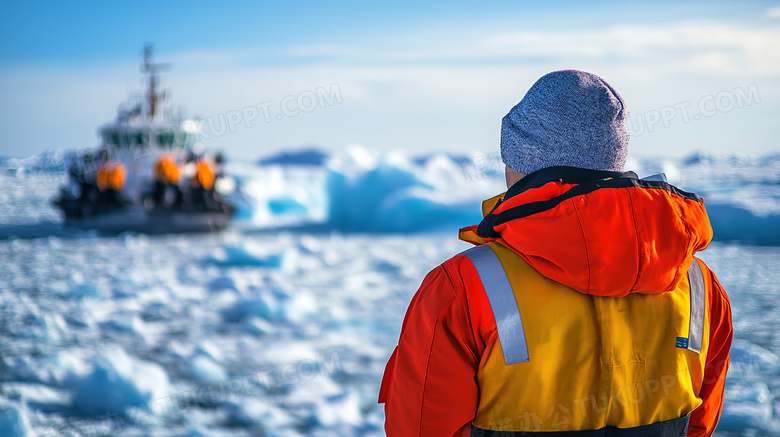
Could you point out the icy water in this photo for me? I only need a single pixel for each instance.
(311, 318)
(252, 332)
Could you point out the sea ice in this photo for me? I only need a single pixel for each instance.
(250, 411)
(14, 422)
(117, 382)
(91, 324)
(205, 370)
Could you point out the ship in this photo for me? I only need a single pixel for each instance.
(149, 174)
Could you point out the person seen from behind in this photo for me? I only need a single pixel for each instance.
(581, 310)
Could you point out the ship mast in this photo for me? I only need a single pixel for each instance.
(152, 95)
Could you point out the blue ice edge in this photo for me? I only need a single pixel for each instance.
(401, 195)
(733, 223)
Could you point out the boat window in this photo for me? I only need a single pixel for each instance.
(166, 139)
(111, 138)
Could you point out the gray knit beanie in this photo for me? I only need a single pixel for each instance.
(570, 118)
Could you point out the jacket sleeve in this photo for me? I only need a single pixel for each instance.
(704, 419)
(429, 387)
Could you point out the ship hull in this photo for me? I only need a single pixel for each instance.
(150, 223)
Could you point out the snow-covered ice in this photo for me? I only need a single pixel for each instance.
(281, 326)
(14, 422)
(116, 382)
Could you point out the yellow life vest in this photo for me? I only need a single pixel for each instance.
(568, 361)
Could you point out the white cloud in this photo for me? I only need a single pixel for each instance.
(773, 12)
(429, 94)
(684, 43)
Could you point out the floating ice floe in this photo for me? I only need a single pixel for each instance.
(301, 306)
(244, 256)
(340, 409)
(14, 421)
(748, 407)
(77, 287)
(750, 357)
(205, 370)
(124, 321)
(59, 369)
(44, 327)
(257, 326)
(222, 283)
(254, 412)
(38, 397)
(748, 400)
(263, 306)
(117, 382)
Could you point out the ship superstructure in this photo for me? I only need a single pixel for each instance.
(148, 174)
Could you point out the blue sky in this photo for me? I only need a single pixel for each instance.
(436, 76)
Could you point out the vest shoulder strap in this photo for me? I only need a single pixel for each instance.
(502, 300)
(698, 297)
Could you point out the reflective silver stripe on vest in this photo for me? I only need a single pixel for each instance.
(502, 300)
(696, 326)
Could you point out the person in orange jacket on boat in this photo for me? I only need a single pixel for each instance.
(110, 180)
(166, 177)
(111, 176)
(204, 174)
(166, 170)
(581, 310)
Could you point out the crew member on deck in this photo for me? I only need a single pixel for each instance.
(166, 177)
(110, 180)
(202, 185)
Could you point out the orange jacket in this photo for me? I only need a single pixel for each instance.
(599, 233)
(204, 176)
(166, 170)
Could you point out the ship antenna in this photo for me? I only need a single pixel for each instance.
(151, 69)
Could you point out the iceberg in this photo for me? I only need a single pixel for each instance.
(358, 190)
